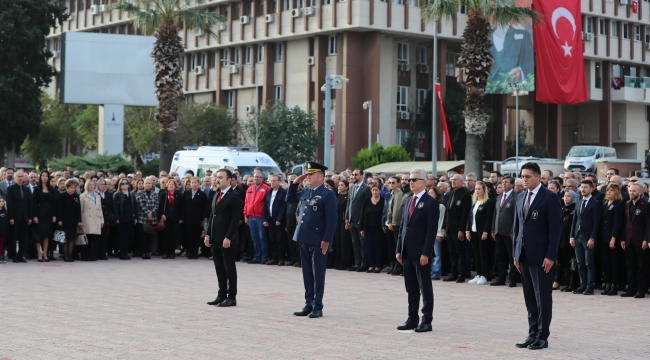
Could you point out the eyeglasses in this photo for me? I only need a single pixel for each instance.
(392, 182)
(414, 179)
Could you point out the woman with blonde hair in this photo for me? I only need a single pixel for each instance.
(479, 226)
(611, 230)
(92, 219)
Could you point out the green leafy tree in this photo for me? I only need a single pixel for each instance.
(24, 65)
(206, 124)
(161, 17)
(86, 127)
(114, 163)
(289, 136)
(141, 135)
(476, 59)
(376, 155)
(526, 148)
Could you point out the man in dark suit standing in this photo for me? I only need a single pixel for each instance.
(19, 205)
(314, 233)
(221, 236)
(635, 244)
(584, 229)
(458, 206)
(7, 182)
(536, 233)
(274, 221)
(359, 192)
(414, 251)
(504, 216)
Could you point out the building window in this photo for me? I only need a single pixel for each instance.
(421, 55)
(402, 137)
(192, 62)
(647, 35)
(614, 28)
(213, 59)
(249, 56)
(278, 94)
(327, 2)
(402, 52)
(226, 58)
(314, 3)
(626, 32)
(231, 99)
(422, 98)
(599, 77)
(278, 52)
(450, 69)
(202, 61)
(286, 5)
(402, 98)
(398, 2)
(260, 53)
(332, 45)
(589, 25)
(182, 63)
(414, 3)
(601, 26)
(236, 59)
(637, 33)
(462, 9)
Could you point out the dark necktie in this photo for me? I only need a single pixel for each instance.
(584, 205)
(412, 207)
(503, 199)
(219, 197)
(527, 204)
(21, 193)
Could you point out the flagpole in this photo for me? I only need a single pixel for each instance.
(434, 99)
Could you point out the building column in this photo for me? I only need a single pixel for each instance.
(541, 118)
(605, 128)
(554, 146)
(320, 56)
(497, 146)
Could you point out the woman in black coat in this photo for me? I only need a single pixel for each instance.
(611, 232)
(342, 237)
(566, 253)
(126, 215)
(169, 210)
(371, 228)
(45, 214)
(478, 230)
(69, 216)
(192, 217)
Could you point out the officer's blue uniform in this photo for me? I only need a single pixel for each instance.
(316, 222)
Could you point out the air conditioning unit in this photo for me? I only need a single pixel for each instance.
(647, 46)
(403, 115)
(268, 18)
(199, 32)
(404, 67)
(309, 11)
(199, 70)
(222, 27)
(94, 10)
(234, 69)
(55, 54)
(103, 8)
(423, 69)
(588, 36)
(295, 13)
(250, 109)
(310, 61)
(245, 19)
(70, 17)
(622, 2)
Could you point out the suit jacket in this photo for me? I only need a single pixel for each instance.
(612, 219)
(279, 206)
(539, 232)
(418, 234)
(107, 207)
(355, 202)
(317, 214)
(504, 216)
(394, 215)
(586, 223)
(224, 219)
(483, 217)
(458, 207)
(637, 223)
(118, 205)
(193, 210)
(19, 207)
(4, 185)
(388, 201)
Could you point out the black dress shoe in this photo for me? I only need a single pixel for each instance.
(217, 301)
(450, 278)
(408, 325)
(362, 269)
(22, 260)
(567, 289)
(498, 283)
(305, 311)
(627, 294)
(228, 302)
(639, 295)
(580, 290)
(512, 284)
(613, 291)
(423, 328)
(460, 279)
(607, 289)
(16, 260)
(538, 344)
(529, 340)
(316, 314)
(253, 261)
(353, 268)
(588, 291)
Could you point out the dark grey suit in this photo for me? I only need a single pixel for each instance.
(353, 214)
(585, 226)
(3, 188)
(504, 216)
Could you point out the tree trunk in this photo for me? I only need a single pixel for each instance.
(167, 149)
(474, 155)
(2, 156)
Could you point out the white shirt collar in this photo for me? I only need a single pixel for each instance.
(508, 193)
(420, 194)
(536, 190)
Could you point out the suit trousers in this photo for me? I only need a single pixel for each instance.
(224, 264)
(193, 238)
(21, 234)
(483, 254)
(277, 242)
(610, 263)
(169, 237)
(586, 265)
(124, 237)
(456, 254)
(417, 282)
(314, 264)
(358, 245)
(103, 242)
(503, 247)
(293, 248)
(373, 241)
(90, 250)
(396, 230)
(391, 246)
(637, 268)
(343, 247)
(537, 286)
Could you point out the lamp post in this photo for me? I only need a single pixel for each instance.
(332, 82)
(517, 89)
(368, 106)
(257, 95)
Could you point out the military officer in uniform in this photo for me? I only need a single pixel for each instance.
(314, 232)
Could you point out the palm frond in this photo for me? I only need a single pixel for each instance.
(504, 13)
(148, 21)
(440, 9)
(200, 20)
(132, 8)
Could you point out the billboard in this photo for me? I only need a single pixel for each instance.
(512, 50)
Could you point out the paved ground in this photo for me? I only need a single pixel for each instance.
(156, 310)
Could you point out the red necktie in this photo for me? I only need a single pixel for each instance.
(412, 207)
(219, 197)
(503, 199)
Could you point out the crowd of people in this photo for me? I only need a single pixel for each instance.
(96, 215)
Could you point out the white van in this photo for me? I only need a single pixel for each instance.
(583, 158)
(203, 158)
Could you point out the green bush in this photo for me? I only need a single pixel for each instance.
(150, 167)
(115, 163)
(378, 155)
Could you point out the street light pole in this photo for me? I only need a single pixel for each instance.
(257, 99)
(368, 105)
(434, 130)
(517, 89)
(332, 82)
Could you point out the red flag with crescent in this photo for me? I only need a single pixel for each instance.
(559, 63)
(447, 144)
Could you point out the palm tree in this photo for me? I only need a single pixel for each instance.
(161, 17)
(476, 58)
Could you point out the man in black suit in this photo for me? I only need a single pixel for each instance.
(458, 206)
(19, 205)
(584, 229)
(221, 236)
(359, 192)
(274, 220)
(536, 232)
(504, 216)
(415, 250)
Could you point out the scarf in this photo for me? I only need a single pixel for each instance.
(170, 198)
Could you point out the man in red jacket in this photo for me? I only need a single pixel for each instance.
(254, 215)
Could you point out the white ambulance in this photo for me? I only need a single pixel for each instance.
(199, 159)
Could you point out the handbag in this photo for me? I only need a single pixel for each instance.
(160, 225)
(148, 227)
(81, 239)
(59, 236)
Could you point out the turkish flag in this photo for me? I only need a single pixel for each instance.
(560, 66)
